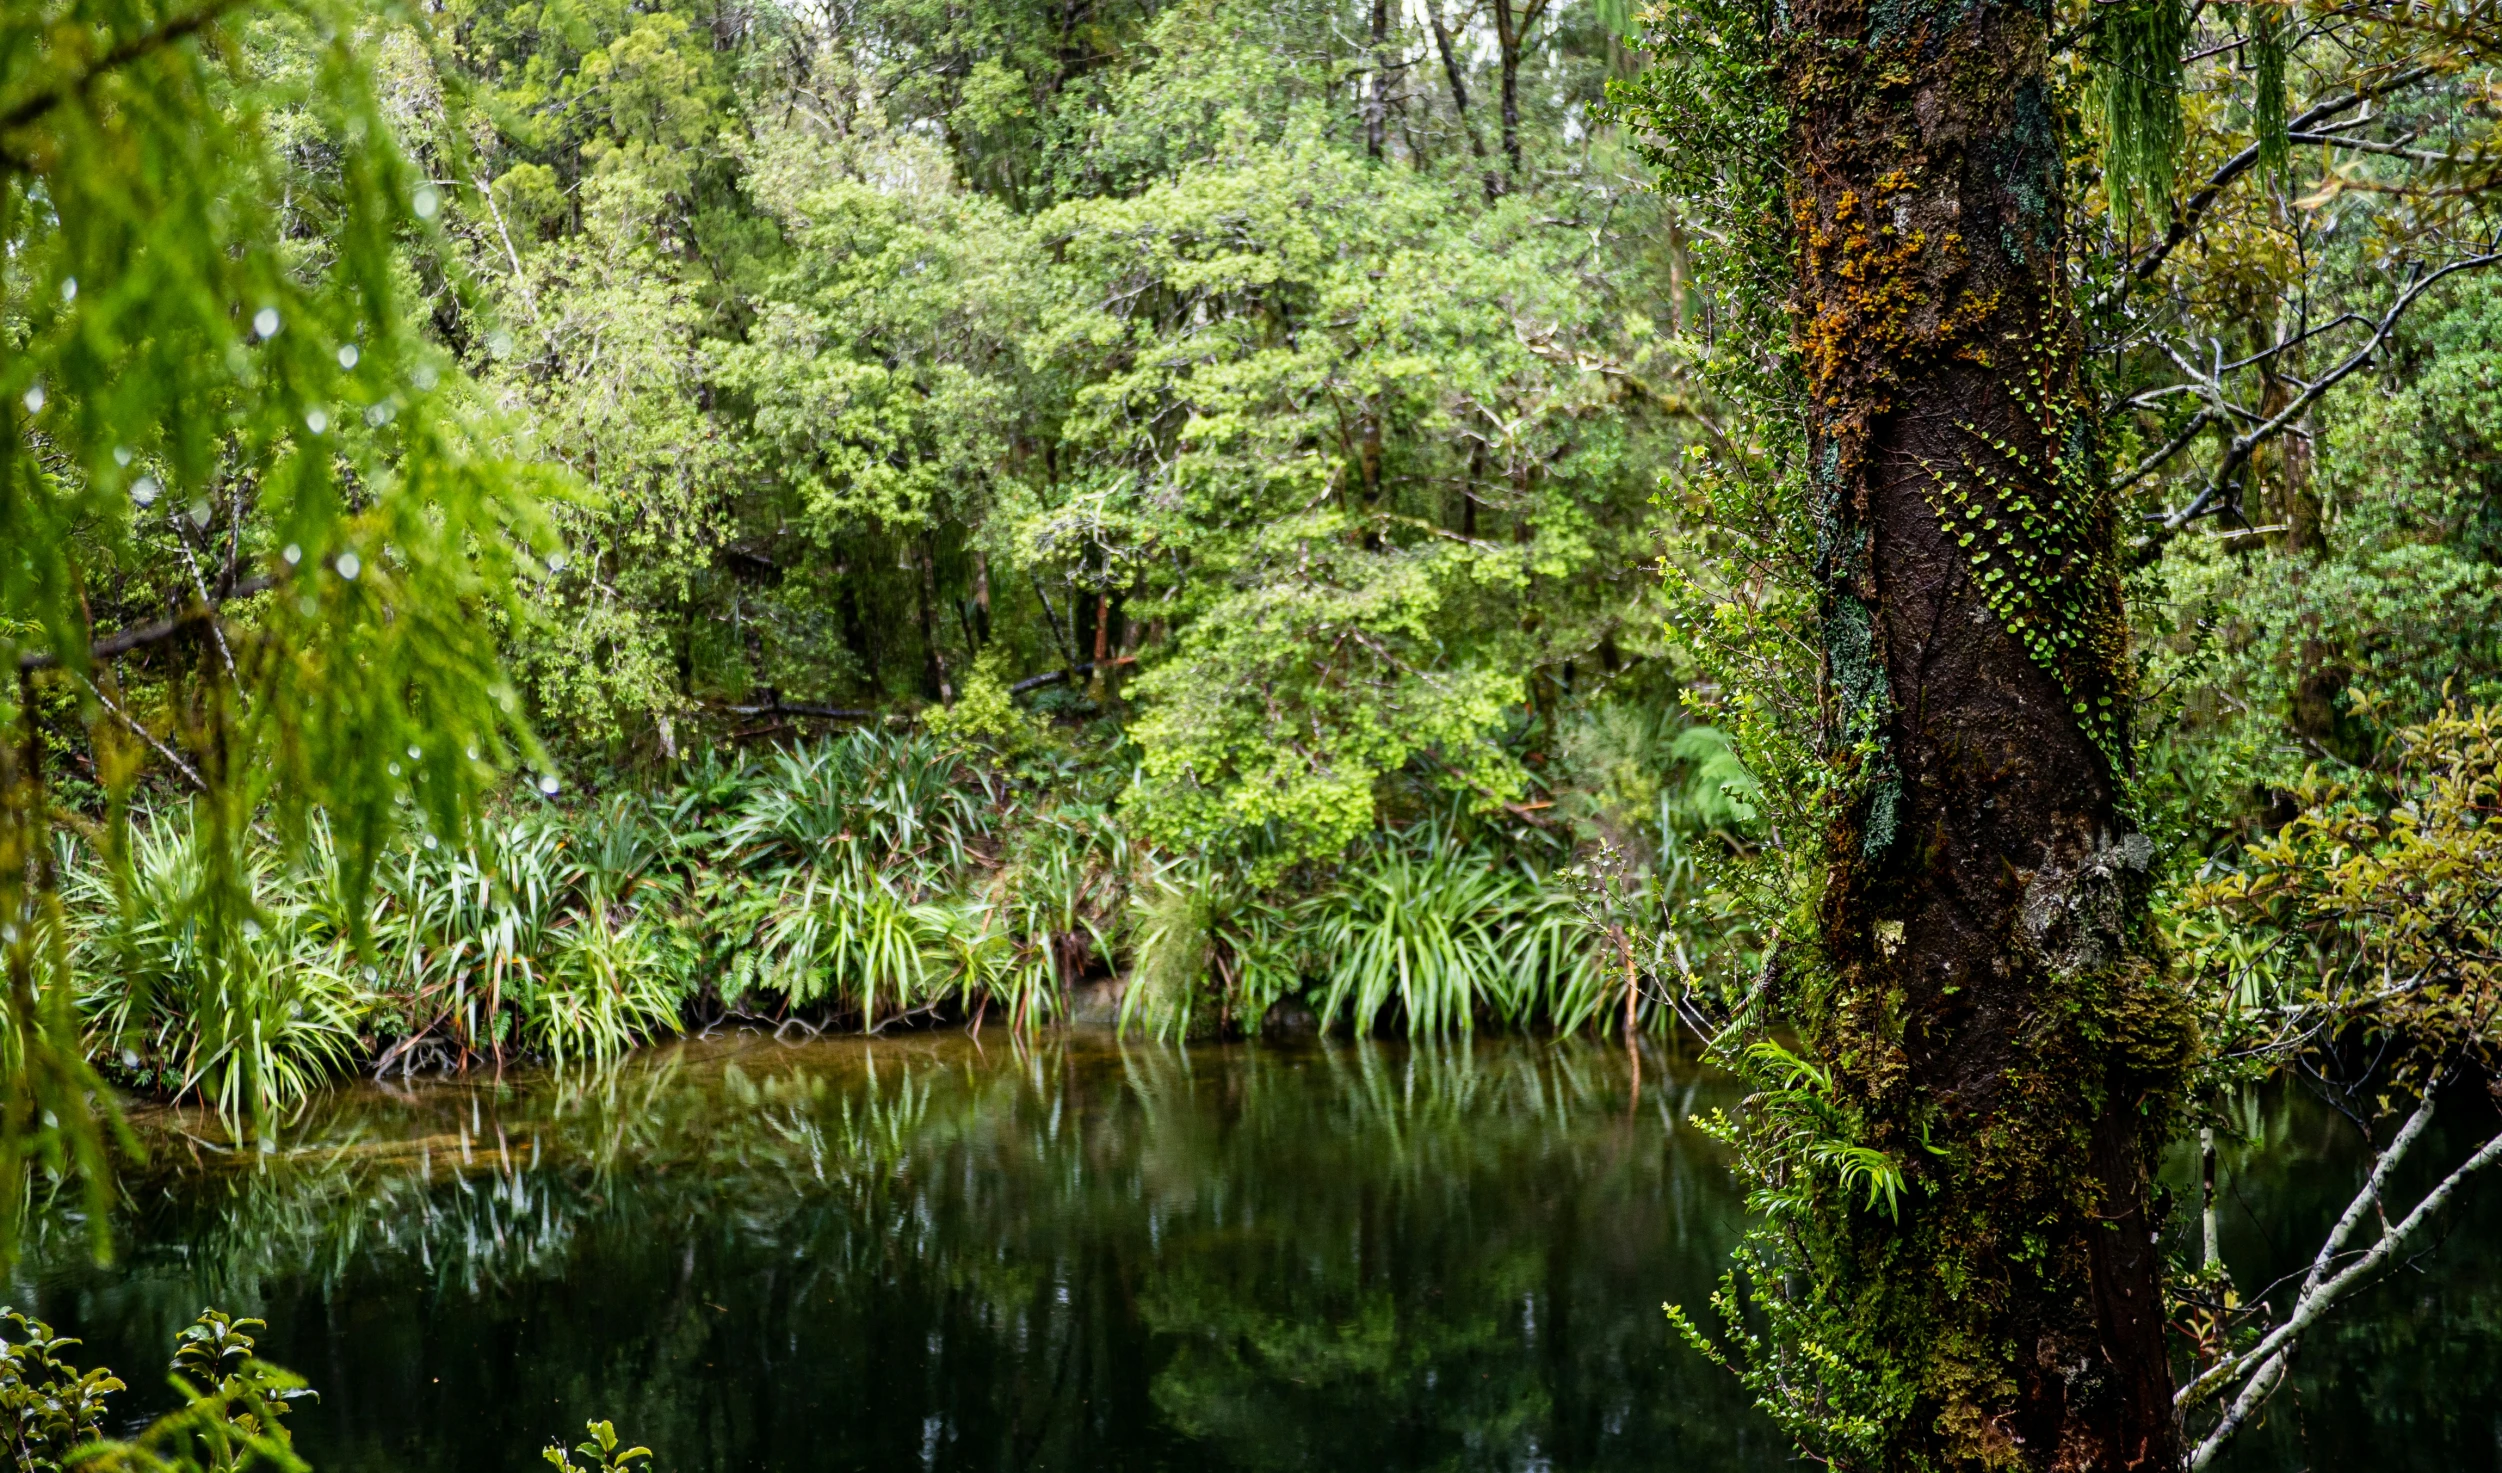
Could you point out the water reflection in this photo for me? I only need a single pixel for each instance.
(911, 1253)
(916, 1254)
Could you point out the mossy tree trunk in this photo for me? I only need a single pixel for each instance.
(1987, 996)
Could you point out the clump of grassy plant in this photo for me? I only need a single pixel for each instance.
(1445, 937)
(240, 993)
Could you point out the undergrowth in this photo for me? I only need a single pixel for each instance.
(874, 880)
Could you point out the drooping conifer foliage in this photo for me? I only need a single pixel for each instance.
(230, 456)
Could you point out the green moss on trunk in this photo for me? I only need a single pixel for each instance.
(1988, 1001)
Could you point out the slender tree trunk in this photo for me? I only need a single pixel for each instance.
(1377, 93)
(1680, 267)
(927, 596)
(1459, 95)
(1986, 993)
(2209, 1240)
(1511, 33)
(2283, 466)
(1051, 621)
(1097, 683)
(981, 596)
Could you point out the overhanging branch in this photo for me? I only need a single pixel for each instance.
(122, 642)
(45, 100)
(2193, 212)
(2243, 446)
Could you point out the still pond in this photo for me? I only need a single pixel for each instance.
(931, 1253)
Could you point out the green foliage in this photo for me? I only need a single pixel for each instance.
(984, 711)
(52, 1406)
(2373, 908)
(2138, 73)
(250, 1011)
(1802, 1129)
(599, 1452)
(1787, 1354)
(232, 1417)
(214, 386)
(1443, 937)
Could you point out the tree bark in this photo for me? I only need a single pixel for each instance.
(1986, 995)
(1459, 95)
(1511, 34)
(1377, 95)
(926, 596)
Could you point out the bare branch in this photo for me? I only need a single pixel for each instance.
(140, 730)
(122, 642)
(2174, 446)
(2267, 1362)
(2239, 452)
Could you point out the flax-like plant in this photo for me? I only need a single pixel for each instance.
(1207, 951)
(249, 1007)
(1430, 935)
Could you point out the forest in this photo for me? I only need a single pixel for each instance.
(1939, 564)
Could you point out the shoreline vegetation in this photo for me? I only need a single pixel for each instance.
(871, 880)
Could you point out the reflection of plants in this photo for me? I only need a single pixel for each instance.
(858, 1163)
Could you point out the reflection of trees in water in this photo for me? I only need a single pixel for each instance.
(1282, 1254)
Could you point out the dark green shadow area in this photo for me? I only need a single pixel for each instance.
(919, 1253)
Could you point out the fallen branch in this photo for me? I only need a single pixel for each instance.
(1054, 677)
(787, 708)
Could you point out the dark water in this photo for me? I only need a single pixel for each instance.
(913, 1254)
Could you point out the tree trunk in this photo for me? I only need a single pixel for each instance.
(1459, 94)
(1377, 94)
(1986, 994)
(981, 596)
(1511, 33)
(1097, 685)
(926, 591)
